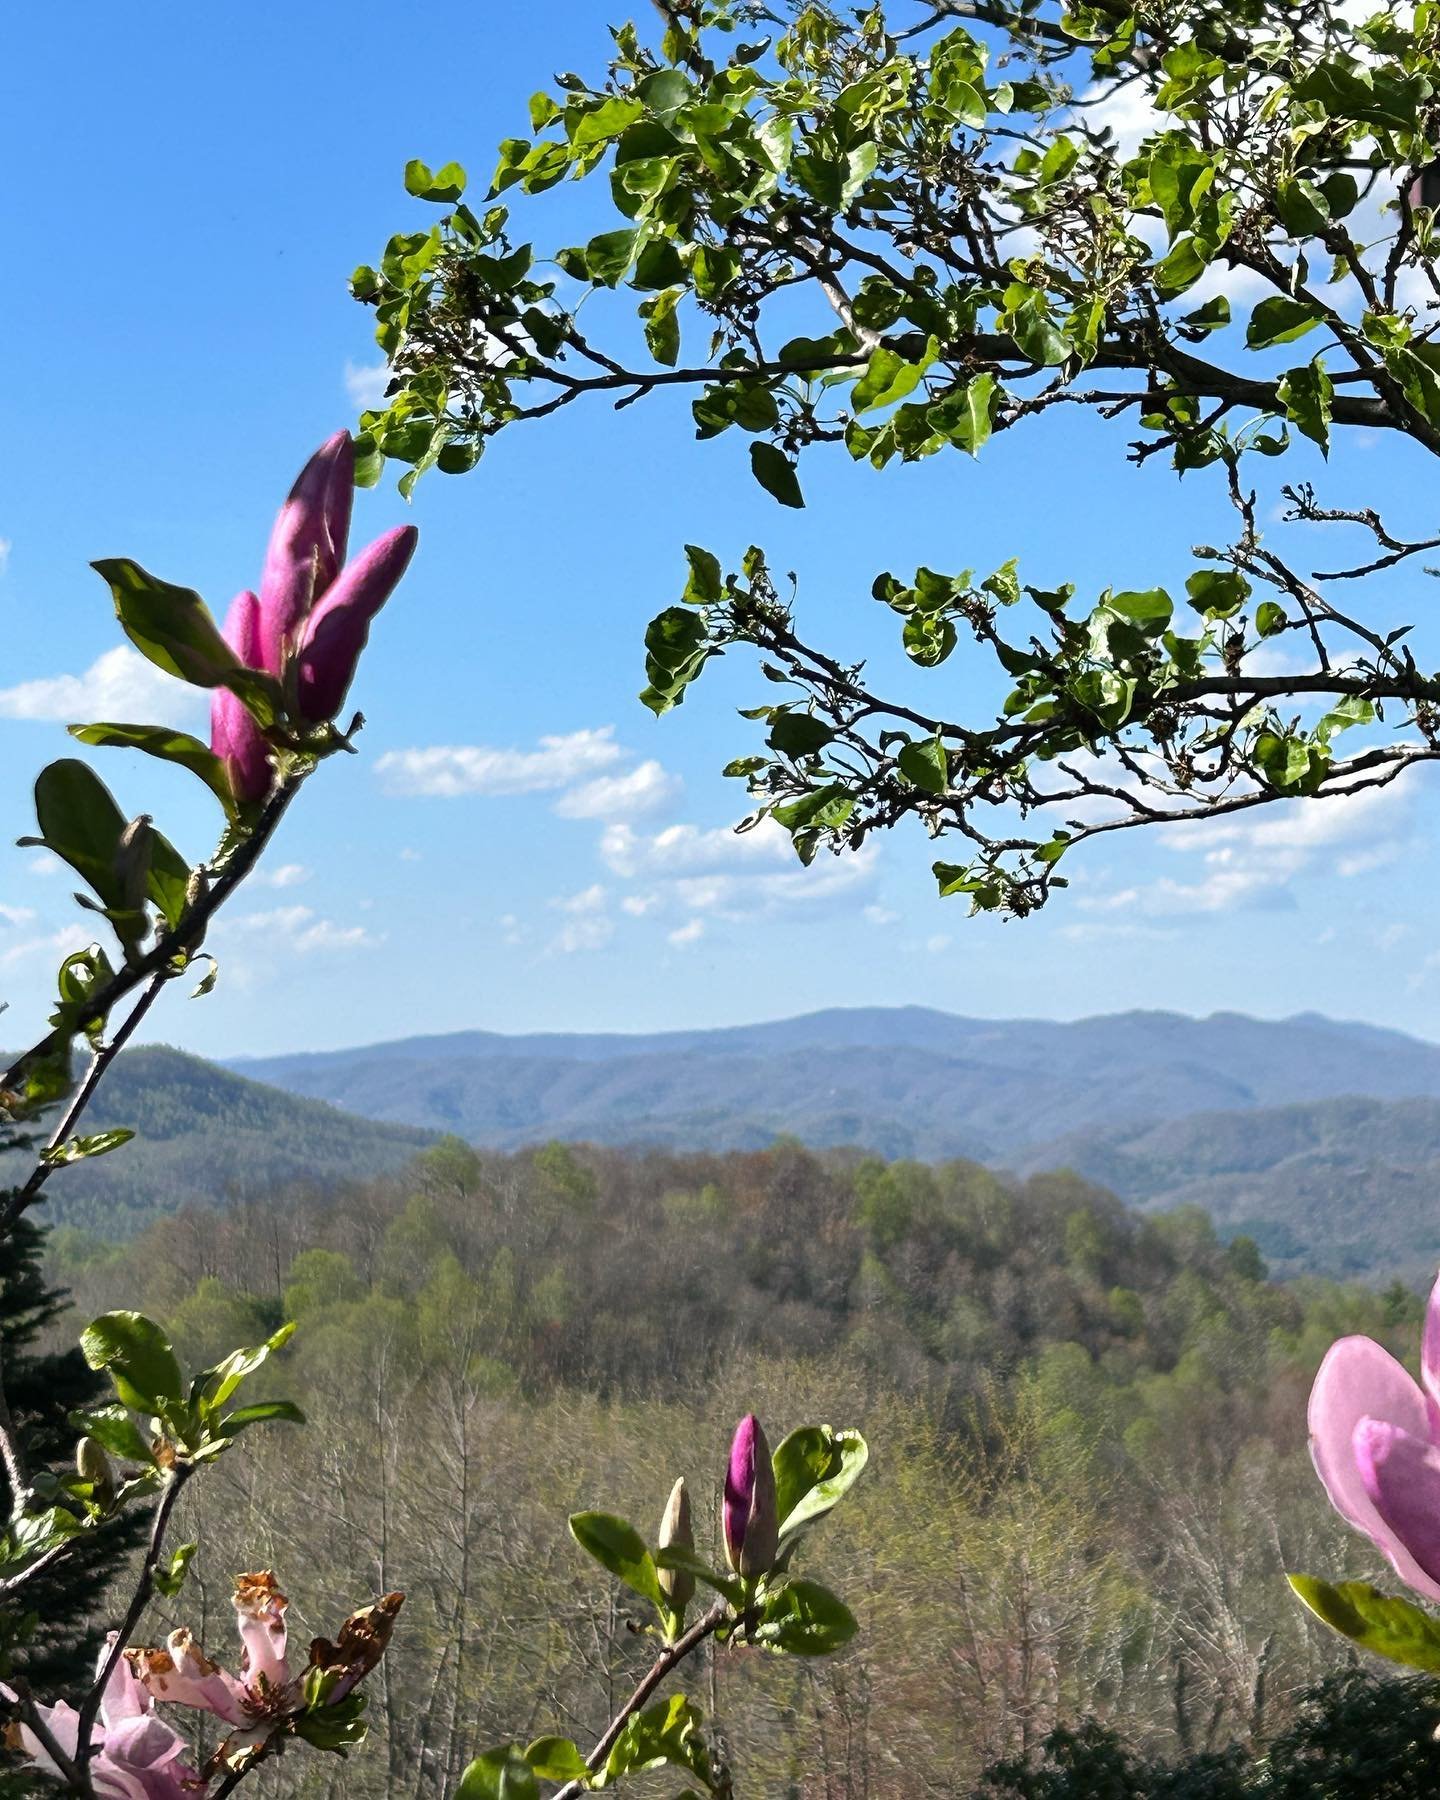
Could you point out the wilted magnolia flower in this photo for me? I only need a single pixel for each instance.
(263, 1696)
(1375, 1440)
(311, 618)
(677, 1585)
(752, 1530)
(135, 1756)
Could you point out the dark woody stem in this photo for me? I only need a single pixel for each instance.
(668, 1659)
(139, 1600)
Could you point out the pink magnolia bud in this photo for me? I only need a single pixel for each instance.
(234, 736)
(752, 1529)
(335, 633)
(307, 548)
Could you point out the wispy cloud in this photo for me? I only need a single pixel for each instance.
(121, 685)
(587, 925)
(644, 789)
(299, 928)
(447, 771)
(685, 935)
(365, 384)
(288, 875)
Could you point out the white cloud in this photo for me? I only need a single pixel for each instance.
(939, 943)
(689, 850)
(64, 942)
(644, 789)
(119, 685)
(17, 915)
(1253, 861)
(637, 905)
(684, 935)
(410, 855)
(298, 928)
(365, 384)
(6, 546)
(447, 771)
(879, 915)
(286, 876)
(588, 924)
(42, 863)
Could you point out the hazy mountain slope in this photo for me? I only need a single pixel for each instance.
(906, 1081)
(203, 1133)
(1346, 1186)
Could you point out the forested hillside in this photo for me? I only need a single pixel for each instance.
(1089, 1470)
(202, 1132)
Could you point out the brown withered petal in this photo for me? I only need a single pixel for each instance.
(258, 1590)
(362, 1638)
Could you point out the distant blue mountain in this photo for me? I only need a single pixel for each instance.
(903, 1081)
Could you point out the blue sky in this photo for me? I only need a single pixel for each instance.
(519, 845)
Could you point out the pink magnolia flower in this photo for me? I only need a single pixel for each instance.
(135, 1755)
(234, 736)
(1375, 1441)
(752, 1530)
(264, 1696)
(311, 618)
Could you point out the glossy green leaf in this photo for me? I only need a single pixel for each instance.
(499, 1774)
(776, 473)
(618, 1547)
(804, 1619)
(136, 1354)
(1383, 1623)
(169, 746)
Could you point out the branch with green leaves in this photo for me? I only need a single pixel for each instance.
(771, 1504)
(906, 232)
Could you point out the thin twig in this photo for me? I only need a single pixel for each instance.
(668, 1659)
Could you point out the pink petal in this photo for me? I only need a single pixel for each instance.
(740, 1485)
(337, 631)
(307, 547)
(260, 1617)
(183, 1674)
(1358, 1380)
(125, 1697)
(234, 736)
(143, 1743)
(1430, 1356)
(1402, 1477)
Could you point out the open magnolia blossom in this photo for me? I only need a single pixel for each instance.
(1375, 1440)
(265, 1695)
(311, 618)
(135, 1755)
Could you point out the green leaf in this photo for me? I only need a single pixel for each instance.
(1280, 320)
(499, 1774)
(170, 746)
(798, 734)
(214, 1386)
(138, 1357)
(618, 1547)
(815, 1466)
(608, 256)
(443, 186)
(170, 1577)
(262, 1413)
(926, 765)
(662, 327)
(1269, 618)
(114, 1430)
(776, 474)
(706, 581)
(1389, 1626)
(556, 1759)
(675, 1556)
(1150, 611)
(804, 1619)
(78, 1149)
(1306, 394)
(172, 626)
(1218, 593)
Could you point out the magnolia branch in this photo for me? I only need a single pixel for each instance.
(668, 1659)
